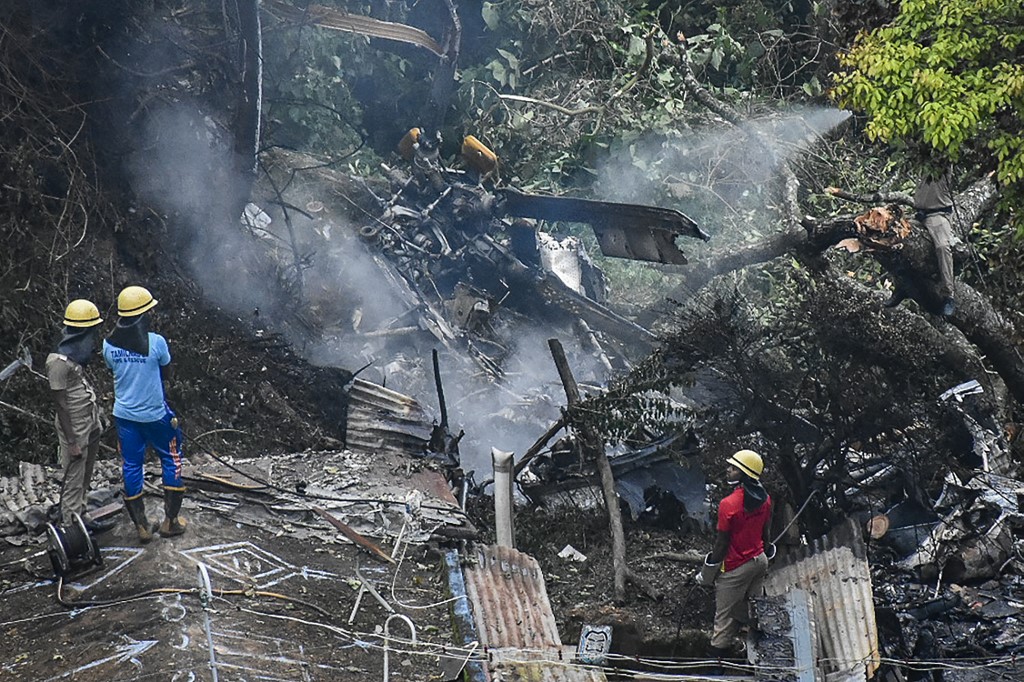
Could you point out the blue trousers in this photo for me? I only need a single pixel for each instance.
(162, 436)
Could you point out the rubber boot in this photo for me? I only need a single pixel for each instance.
(136, 508)
(173, 523)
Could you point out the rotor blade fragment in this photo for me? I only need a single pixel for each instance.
(630, 231)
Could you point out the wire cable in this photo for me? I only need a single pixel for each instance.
(159, 591)
(394, 581)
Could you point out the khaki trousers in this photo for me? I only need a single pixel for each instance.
(77, 474)
(732, 592)
(941, 232)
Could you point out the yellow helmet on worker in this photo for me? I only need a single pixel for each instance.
(82, 313)
(134, 300)
(748, 462)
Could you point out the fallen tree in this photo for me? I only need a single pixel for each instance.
(782, 321)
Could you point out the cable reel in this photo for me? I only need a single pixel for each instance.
(71, 548)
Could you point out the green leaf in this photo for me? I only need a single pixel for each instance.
(490, 15)
(512, 60)
(716, 58)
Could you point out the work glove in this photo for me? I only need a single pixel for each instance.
(708, 572)
(174, 421)
(770, 550)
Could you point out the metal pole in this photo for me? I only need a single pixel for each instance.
(503, 521)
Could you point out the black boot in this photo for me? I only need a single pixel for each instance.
(718, 655)
(136, 508)
(173, 523)
(898, 296)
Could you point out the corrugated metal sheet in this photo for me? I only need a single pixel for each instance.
(546, 671)
(379, 419)
(834, 570)
(26, 497)
(510, 600)
(514, 620)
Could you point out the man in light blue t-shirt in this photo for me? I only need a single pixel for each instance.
(140, 360)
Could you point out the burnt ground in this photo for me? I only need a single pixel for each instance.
(284, 585)
(284, 612)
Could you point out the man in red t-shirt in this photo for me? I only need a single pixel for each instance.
(738, 563)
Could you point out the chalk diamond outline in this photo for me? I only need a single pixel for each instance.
(250, 564)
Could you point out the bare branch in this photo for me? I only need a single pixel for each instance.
(874, 198)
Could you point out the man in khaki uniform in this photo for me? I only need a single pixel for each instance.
(78, 414)
(933, 205)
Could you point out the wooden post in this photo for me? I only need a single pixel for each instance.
(592, 443)
(539, 444)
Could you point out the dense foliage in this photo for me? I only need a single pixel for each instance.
(948, 73)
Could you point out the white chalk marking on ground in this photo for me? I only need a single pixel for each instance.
(248, 563)
(173, 607)
(116, 558)
(126, 653)
(25, 587)
(254, 661)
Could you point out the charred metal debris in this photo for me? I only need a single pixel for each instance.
(457, 246)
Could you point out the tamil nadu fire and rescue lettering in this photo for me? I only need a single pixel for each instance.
(118, 355)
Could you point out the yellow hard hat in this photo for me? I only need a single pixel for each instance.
(405, 145)
(134, 301)
(82, 313)
(749, 462)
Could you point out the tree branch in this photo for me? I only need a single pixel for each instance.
(874, 198)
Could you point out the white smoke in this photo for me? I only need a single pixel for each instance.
(185, 167)
(716, 175)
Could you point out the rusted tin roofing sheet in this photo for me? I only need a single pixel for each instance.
(510, 600)
(382, 419)
(546, 671)
(834, 570)
(26, 496)
(513, 619)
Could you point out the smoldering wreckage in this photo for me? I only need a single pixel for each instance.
(304, 567)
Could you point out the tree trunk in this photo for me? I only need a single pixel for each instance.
(593, 443)
(914, 266)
